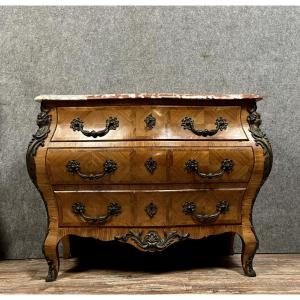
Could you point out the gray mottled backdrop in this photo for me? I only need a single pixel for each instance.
(86, 50)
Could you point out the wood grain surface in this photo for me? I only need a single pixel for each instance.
(132, 122)
(277, 274)
(169, 206)
(170, 164)
(130, 145)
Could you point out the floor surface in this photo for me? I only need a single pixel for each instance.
(276, 274)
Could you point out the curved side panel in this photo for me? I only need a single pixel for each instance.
(254, 121)
(35, 159)
(263, 158)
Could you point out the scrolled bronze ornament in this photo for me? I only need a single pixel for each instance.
(113, 209)
(189, 208)
(109, 167)
(192, 166)
(254, 121)
(150, 121)
(112, 123)
(38, 140)
(152, 241)
(188, 124)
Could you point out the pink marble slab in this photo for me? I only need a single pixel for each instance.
(151, 96)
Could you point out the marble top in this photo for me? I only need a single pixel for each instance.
(151, 96)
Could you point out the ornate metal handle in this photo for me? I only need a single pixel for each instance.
(191, 166)
(111, 124)
(189, 208)
(109, 166)
(188, 123)
(113, 209)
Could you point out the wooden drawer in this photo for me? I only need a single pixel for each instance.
(149, 208)
(209, 123)
(206, 207)
(218, 164)
(148, 122)
(149, 165)
(129, 165)
(75, 207)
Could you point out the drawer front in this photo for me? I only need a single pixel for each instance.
(149, 165)
(149, 122)
(211, 165)
(149, 208)
(95, 208)
(87, 166)
(206, 123)
(74, 166)
(206, 207)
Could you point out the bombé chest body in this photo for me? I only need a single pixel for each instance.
(149, 169)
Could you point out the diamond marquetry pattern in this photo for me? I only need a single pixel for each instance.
(131, 165)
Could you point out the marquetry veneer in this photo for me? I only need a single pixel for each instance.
(149, 169)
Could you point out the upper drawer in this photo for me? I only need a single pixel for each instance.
(149, 122)
(149, 165)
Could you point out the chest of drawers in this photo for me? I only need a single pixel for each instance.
(149, 169)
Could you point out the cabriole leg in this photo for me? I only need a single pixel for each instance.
(250, 245)
(50, 250)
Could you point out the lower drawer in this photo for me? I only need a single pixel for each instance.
(149, 208)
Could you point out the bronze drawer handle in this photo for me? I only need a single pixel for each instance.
(191, 166)
(113, 209)
(188, 123)
(112, 123)
(189, 208)
(109, 167)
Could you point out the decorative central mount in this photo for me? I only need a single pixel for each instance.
(150, 165)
